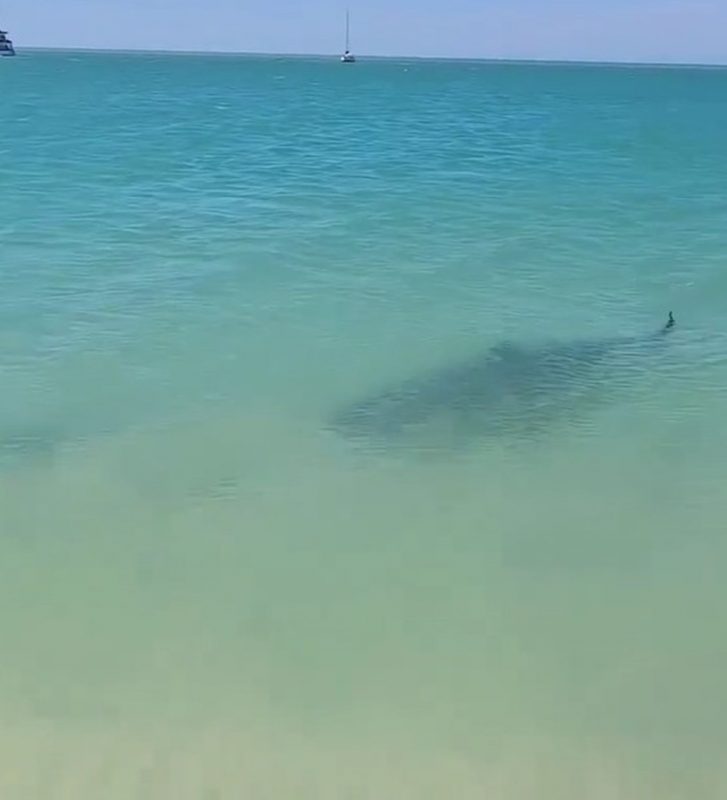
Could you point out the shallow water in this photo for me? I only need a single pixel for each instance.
(205, 591)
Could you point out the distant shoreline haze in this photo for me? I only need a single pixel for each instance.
(554, 62)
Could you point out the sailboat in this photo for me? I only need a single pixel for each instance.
(6, 45)
(348, 57)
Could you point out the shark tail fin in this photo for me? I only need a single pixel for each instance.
(670, 323)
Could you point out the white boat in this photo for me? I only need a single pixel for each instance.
(348, 57)
(6, 45)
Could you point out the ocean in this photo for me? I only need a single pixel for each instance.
(207, 588)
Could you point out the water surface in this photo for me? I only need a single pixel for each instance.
(204, 591)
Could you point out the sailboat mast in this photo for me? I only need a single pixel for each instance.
(348, 57)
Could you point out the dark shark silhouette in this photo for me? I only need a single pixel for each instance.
(509, 389)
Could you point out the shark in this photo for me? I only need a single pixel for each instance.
(508, 390)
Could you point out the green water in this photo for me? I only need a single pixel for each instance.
(206, 592)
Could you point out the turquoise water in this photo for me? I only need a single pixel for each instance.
(205, 590)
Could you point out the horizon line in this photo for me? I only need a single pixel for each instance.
(376, 57)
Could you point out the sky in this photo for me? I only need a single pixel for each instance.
(663, 31)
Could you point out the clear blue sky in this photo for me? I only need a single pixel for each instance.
(618, 30)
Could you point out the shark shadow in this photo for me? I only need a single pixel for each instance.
(507, 391)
